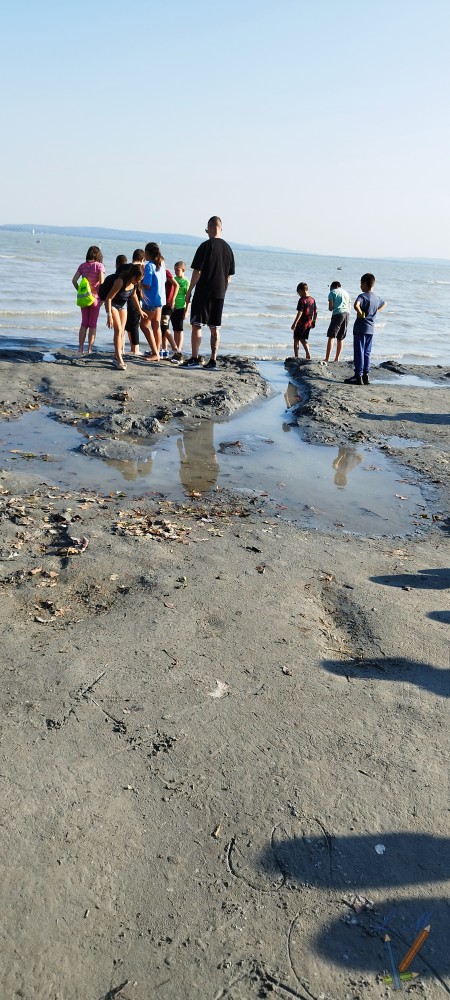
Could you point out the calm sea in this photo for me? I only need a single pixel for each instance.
(38, 308)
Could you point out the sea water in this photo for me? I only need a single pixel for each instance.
(38, 307)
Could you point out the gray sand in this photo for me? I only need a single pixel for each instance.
(218, 729)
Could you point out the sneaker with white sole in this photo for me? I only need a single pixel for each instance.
(211, 365)
(193, 363)
(177, 358)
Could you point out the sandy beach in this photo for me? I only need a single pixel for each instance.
(224, 754)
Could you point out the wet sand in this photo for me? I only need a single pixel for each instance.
(219, 729)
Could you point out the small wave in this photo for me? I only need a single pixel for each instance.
(7, 256)
(256, 315)
(429, 282)
(44, 312)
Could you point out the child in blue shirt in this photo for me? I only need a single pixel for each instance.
(366, 305)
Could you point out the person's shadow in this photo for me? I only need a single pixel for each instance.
(199, 467)
(425, 579)
(342, 872)
(417, 418)
(436, 680)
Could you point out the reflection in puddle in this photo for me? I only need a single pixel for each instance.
(291, 396)
(199, 467)
(356, 489)
(348, 458)
(131, 470)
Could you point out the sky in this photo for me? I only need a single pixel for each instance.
(316, 125)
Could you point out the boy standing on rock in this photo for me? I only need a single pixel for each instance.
(305, 319)
(339, 306)
(366, 305)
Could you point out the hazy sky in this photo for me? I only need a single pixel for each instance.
(320, 125)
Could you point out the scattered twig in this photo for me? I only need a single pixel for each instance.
(115, 990)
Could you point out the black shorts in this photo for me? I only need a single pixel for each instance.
(166, 313)
(300, 334)
(176, 320)
(206, 312)
(338, 326)
(132, 324)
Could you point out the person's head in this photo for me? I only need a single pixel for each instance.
(302, 288)
(121, 259)
(138, 256)
(133, 274)
(179, 268)
(367, 282)
(214, 227)
(94, 253)
(335, 284)
(153, 254)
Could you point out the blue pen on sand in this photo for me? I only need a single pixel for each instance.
(395, 975)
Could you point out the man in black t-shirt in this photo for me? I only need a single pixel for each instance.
(213, 265)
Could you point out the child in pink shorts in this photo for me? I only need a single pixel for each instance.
(94, 271)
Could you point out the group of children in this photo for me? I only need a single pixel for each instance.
(366, 306)
(145, 296)
(141, 296)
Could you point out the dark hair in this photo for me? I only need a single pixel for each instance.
(133, 271)
(138, 256)
(94, 253)
(121, 259)
(154, 253)
(179, 263)
(215, 221)
(335, 284)
(368, 279)
(302, 287)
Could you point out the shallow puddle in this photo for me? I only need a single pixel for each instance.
(258, 451)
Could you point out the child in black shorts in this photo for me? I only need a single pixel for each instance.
(305, 319)
(179, 309)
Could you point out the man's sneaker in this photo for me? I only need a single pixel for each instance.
(211, 364)
(354, 380)
(366, 380)
(193, 363)
(176, 359)
(164, 354)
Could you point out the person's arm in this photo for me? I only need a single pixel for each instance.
(330, 304)
(118, 284)
(357, 307)
(297, 319)
(173, 291)
(194, 279)
(75, 279)
(383, 306)
(137, 304)
(314, 316)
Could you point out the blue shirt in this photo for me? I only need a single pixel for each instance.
(369, 303)
(153, 286)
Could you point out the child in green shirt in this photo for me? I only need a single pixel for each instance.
(179, 310)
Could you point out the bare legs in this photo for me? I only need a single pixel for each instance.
(119, 318)
(339, 346)
(305, 346)
(196, 339)
(81, 338)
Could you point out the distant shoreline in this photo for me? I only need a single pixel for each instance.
(187, 239)
(100, 233)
